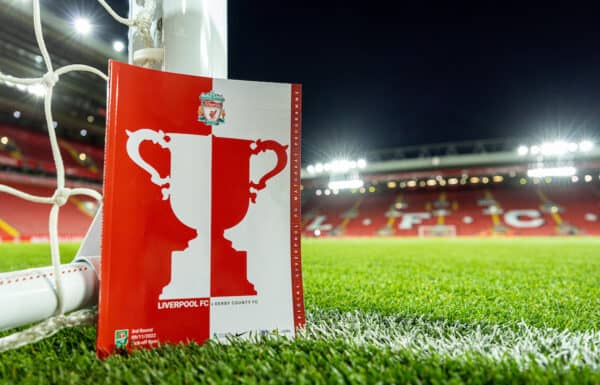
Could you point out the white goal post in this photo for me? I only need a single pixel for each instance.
(437, 231)
(185, 36)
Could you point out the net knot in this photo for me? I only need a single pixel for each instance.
(50, 79)
(61, 196)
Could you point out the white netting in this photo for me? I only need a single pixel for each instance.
(142, 23)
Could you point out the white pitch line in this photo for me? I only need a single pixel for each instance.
(522, 343)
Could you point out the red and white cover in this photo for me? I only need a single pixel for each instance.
(201, 229)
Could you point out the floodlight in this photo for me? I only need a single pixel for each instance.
(83, 132)
(551, 171)
(572, 147)
(35, 89)
(82, 25)
(534, 150)
(523, 150)
(118, 45)
(431, 182)
(453, 181)
(310, 169)
(574, 179)
(319, 167)
(327, 191)
(4, 140)
(554, 148)
(586, 146)
(588, 178)
(345, 184)
(411, 183)
(17, 114)
(318, 192)
(361, 163)
(82, 156)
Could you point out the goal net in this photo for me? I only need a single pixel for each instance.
(57, 292)
(437, 231)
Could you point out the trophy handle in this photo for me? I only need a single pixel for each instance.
(280, 151)
(136, 138)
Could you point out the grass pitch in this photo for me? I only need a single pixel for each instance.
(379, 311)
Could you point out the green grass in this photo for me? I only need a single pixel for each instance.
(542, 282)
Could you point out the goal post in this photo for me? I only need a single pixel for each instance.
(185, 36)
(437, 231)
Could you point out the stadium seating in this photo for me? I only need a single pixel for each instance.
(540, 210)
(21, 220)
(30, 150)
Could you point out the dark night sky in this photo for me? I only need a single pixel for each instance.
(428, 71)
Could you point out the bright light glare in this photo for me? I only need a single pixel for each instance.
(82, 25)
(361, 163)
(572, 147)
(310, 169)
(345, 184)
(523, 150)
(555, 148)
(551, 171)
(586, 146)
(4, 140)
(118, 45)
(36, 90)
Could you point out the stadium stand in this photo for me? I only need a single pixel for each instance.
(386, 206)
(29, 151)
(21, 220)
(472, 211)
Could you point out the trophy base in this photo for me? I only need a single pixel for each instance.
(190, 273)
(229, 271)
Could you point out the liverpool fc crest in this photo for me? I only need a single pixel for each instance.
(211, 110)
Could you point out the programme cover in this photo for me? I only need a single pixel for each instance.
(201, 216)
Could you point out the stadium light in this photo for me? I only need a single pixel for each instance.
(551, 171)
(35, 89)
(17, 114)
(572, 147)
(4, 140)
(118, 46)
(574, 179)
(412, 183)
(586, 146)
(523, 150)
(345, 184)
(588, 178)
(554, 148)
(83, 132)
(453, 181)
(336, 166)
(82, 25)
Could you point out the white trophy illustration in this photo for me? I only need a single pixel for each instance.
(188, 191)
